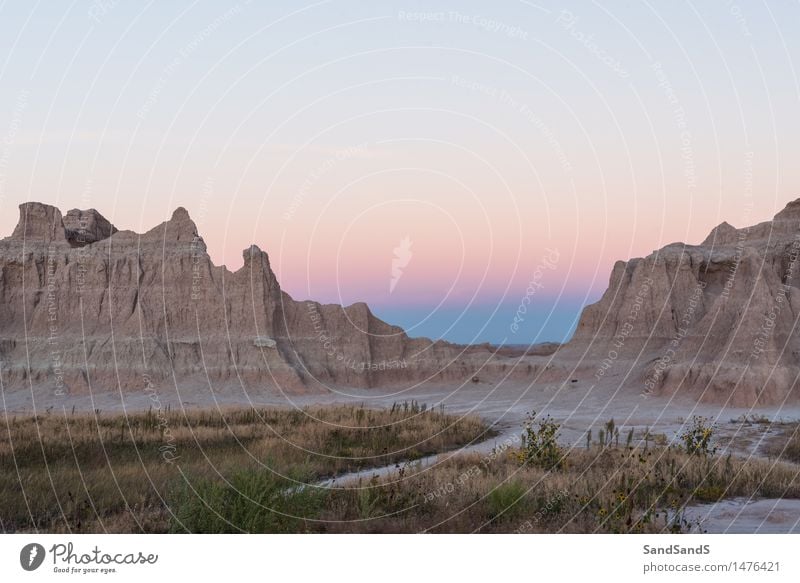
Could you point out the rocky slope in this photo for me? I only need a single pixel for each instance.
(715, 321)
(84, 306)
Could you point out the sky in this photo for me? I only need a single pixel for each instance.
(471, 171)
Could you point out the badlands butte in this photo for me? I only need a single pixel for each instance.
(87, 309)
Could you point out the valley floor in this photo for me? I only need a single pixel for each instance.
(210, 462)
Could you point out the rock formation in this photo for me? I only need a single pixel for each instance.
(85, 306)
(715, 321)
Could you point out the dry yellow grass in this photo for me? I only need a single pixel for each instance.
(95, 473)
(786, 444)
(598, 490)
(239, 470)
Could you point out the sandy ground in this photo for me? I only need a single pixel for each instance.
(576, 406)
(746, 516)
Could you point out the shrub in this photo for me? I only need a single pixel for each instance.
(709, 493)
(540, 443)
(506, 500)
(697, 438)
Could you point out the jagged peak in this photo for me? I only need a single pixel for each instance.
(784, 222)
(87, 226)
(39, 222)
(180, 214)
(721, 234)
(255, 258)
(256, 263)
(179, 228)
(252, 252)
(359, 308)
(790, 211)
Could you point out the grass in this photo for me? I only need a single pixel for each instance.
(603, 489)
(786, 444)
(240, 471)
(251, 501)
(507, 500)
(144, 472)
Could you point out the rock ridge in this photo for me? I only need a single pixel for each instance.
(85, 306)
(715, 321)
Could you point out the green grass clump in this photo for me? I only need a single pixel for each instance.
(507, 500)
(252, 501)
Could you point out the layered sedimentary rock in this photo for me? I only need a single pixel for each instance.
(85, 306)
(715, 321)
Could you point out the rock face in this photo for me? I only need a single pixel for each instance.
(715, 321)
(39, 223)
(84, 227)
(86, 307)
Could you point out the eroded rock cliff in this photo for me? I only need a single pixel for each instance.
(715, 321)
(85, 306)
